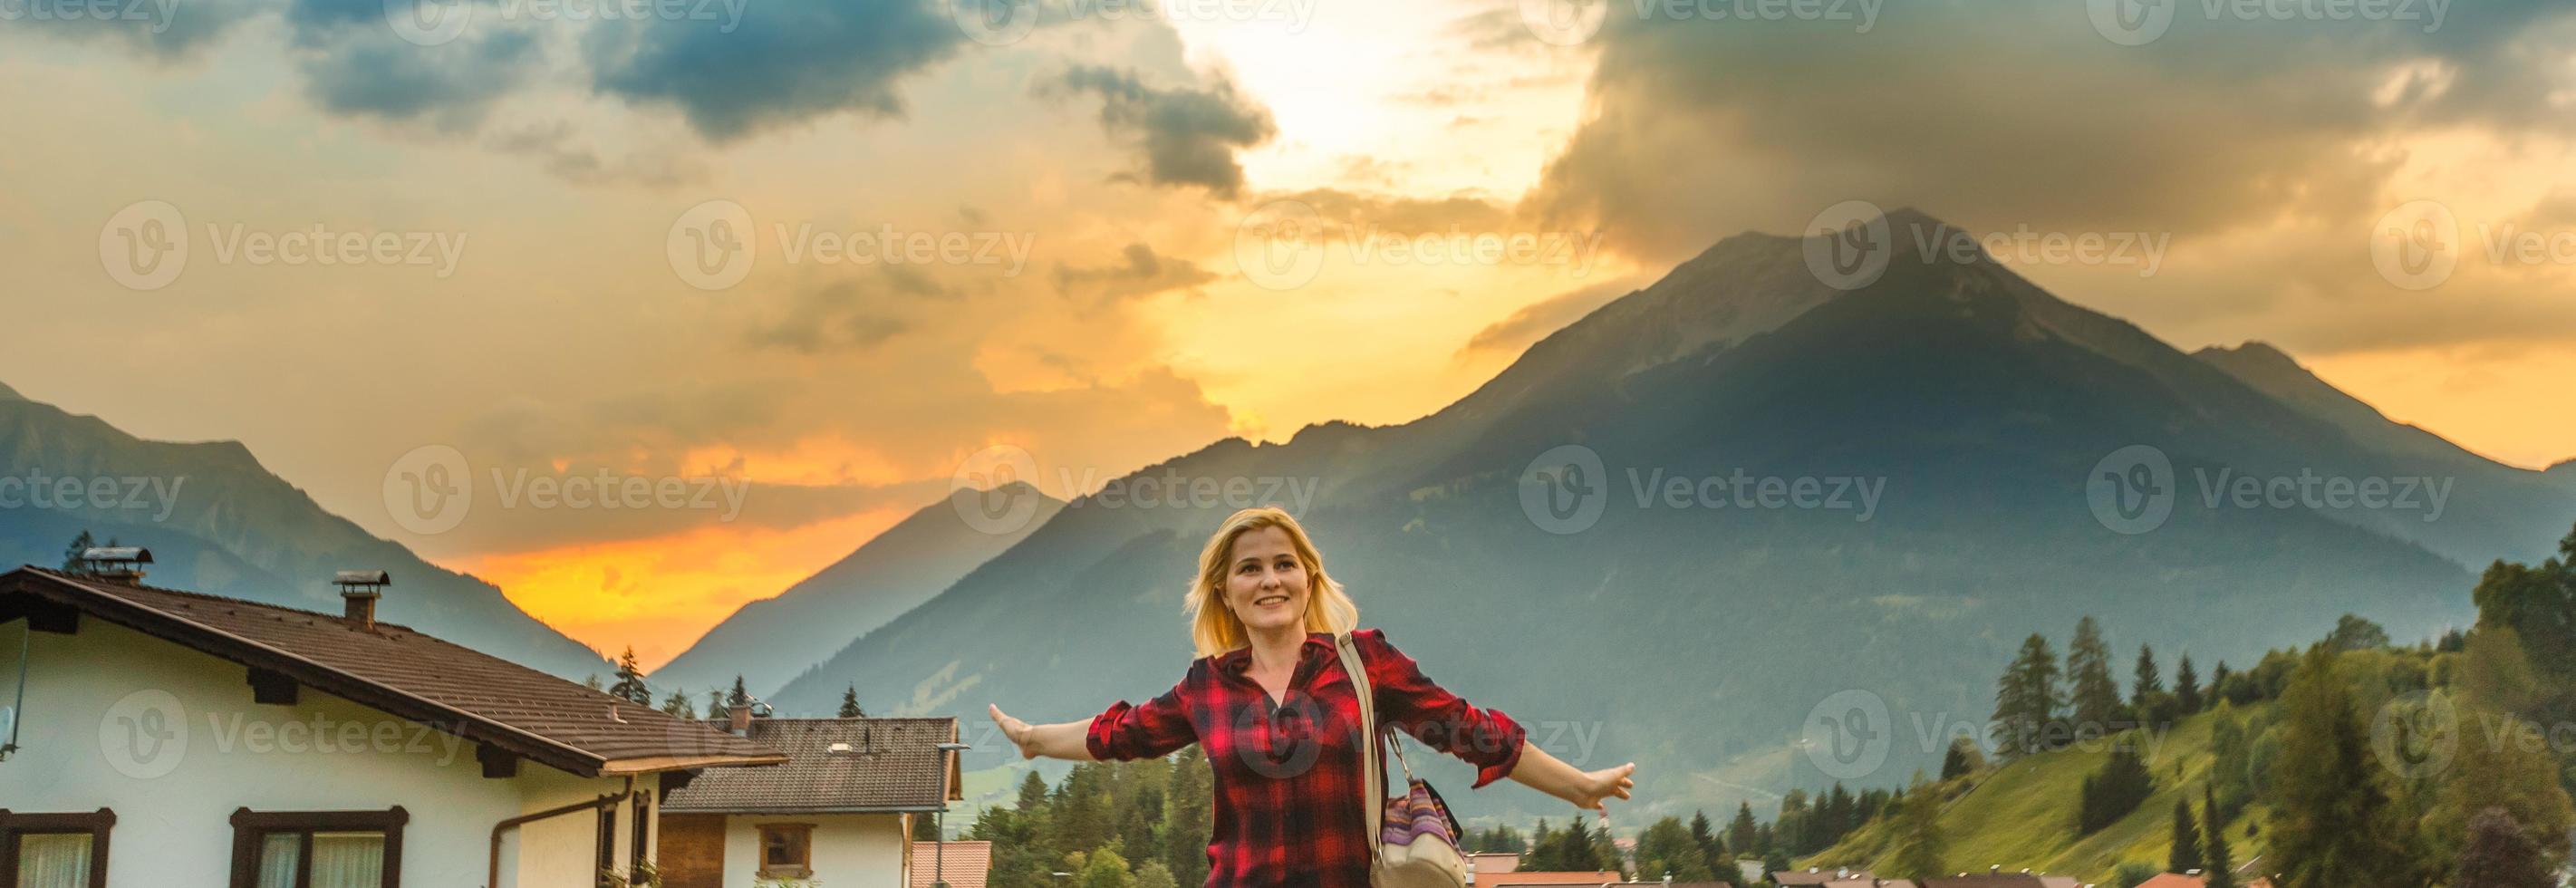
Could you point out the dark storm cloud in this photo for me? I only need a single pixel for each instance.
(1187, 136)
(782, 63)
(2002, 111)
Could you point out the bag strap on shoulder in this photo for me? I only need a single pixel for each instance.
(1372, 795)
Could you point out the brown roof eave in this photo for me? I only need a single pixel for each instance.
(661, 763)
(306, 672)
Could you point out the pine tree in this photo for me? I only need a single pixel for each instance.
(2187, 686)
(739, 697)
(850, 703)
(1961, 760)
(2330, 816)
(1544, 850)
(1744, 834)
(2090, 690)
(1921, 847)
(630, 680)
(678, 704)
(2186, 840)
(1712, 850)
(2120, 787)
(73, 563)
(1189, 817)
(591, 681)
(718, 710)
(2217, 859)
(2026, 701)
(2147, 679)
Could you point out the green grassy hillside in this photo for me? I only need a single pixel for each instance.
(2022, 815)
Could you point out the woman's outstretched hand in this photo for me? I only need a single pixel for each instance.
(1021, 734)
(1597, 786)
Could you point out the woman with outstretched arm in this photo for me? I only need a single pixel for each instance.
(1269, 701)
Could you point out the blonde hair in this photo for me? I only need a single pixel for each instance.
(1214, 628)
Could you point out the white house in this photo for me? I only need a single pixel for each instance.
(840, 812)
(166, 738)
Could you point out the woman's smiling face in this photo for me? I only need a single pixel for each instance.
(1265, 583)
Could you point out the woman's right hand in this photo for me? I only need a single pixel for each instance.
(1021, 734)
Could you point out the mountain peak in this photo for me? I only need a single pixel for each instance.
(10, 394)
(2252, 352)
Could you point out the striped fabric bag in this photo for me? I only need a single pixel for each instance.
(1416, 845)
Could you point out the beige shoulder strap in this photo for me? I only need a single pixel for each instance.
(1371, 795)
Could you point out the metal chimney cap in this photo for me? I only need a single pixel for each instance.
(132, 554)
(362, 578)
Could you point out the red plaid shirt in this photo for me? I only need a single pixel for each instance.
(1287, 776)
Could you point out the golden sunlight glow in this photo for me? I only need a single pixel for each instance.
(659, 594)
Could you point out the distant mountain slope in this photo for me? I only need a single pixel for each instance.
(235, 529)
(1696, 639)
(769, 641)
(2022, 815)
(2509, 510)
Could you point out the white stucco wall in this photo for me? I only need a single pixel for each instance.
(850, 850)
(96, 700)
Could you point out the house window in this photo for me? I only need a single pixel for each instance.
(318, 849)
(54, 850)
(786, 850)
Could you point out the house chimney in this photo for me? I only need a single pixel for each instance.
(115, 564)
(739, 709)
(359, 590)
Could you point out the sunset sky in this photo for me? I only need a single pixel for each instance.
(1091, 200)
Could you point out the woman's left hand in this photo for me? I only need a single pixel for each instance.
(1600, 785)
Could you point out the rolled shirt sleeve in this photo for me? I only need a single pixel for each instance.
(1411, 702)
(1158, 728)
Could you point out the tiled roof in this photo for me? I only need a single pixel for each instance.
(1818, 876)
(965, 867)
(2174, 880)
(2009, 880)
(1493, 862)
(891, 764)
(482, 698)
